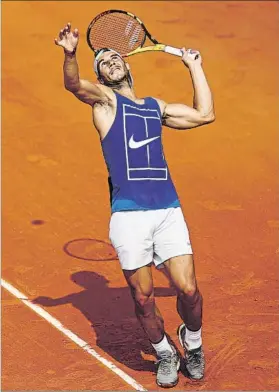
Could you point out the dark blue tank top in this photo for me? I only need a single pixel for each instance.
(139, 178)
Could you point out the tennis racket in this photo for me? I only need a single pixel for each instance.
(125, 33)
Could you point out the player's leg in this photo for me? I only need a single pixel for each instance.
(189, 305)
(181, 271)
(131, 234)
(173, 247)
(141, 285)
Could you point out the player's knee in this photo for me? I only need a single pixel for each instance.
(144, 302)
(188, 289)
(190, 295)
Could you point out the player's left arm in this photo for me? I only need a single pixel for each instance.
(180, 116)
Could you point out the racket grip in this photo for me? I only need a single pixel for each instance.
(172, 50)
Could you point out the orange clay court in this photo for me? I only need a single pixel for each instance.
(55, 204)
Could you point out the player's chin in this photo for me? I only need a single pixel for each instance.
(117, 78)
(117, 75)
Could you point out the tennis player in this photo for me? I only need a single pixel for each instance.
(147, 224)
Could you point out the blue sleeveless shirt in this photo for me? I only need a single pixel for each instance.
(139, 177)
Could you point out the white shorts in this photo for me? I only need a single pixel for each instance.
(143, 237)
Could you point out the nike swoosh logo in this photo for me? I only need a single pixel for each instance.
(133, 144)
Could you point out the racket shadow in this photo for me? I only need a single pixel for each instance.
(110, 312)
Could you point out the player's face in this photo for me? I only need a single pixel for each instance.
(112, 68)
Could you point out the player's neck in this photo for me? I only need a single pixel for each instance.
(128, 92)
(125, 90)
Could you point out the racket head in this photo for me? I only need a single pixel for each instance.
(116, 29)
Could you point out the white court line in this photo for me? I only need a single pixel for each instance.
(72, 336)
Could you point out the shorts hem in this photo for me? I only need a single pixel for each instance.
(137, 267)
(166, 258)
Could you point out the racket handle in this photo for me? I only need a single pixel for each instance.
(177, 52)
(172, 50)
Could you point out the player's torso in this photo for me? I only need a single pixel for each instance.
(133, 152)
(104, 113)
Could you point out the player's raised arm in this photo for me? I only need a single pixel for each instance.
(180, 116)
(84, 90)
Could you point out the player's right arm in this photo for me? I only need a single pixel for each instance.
(84, 90)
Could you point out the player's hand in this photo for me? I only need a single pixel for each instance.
(68, 39)
(191, 56)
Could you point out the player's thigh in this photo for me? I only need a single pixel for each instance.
(140, 282)
(181, 271)
(131, 236)
(171, 237)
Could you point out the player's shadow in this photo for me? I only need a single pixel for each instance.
(111, 313)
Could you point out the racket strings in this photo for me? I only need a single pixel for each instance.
(117, 31)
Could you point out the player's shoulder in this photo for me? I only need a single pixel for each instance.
(162, 104)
